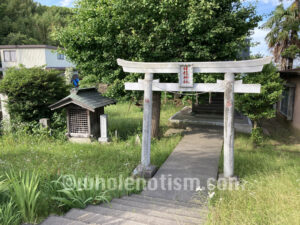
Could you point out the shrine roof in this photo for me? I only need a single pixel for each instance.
(88, 98)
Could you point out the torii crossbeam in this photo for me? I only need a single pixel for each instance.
(185, 71)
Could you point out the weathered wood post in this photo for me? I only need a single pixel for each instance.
(145, 169)
(146, 141)
(229, 125)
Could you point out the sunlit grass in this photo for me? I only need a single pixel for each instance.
(270, 175)
(52, 158)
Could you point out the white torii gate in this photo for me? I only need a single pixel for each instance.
(185, 71)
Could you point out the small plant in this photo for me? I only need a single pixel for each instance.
(9, 214)
(257, 136)
(23, 188)
(73, 192)
(3, 189)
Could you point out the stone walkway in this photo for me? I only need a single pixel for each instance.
(171, 196)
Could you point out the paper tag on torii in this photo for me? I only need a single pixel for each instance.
(186, 76)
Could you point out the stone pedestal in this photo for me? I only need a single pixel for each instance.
(45, 123)
(103, 129)
(5, 114)
(144, 172)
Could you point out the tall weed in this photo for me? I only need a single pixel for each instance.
(24, 191)
(79, 194)
(9, 214)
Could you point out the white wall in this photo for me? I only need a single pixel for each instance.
(31, 57)
(52, 61)
(28, 57)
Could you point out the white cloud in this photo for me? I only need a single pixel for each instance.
(273, 2)
(66, 3)
(262, 47)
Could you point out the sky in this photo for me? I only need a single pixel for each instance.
(264, 8)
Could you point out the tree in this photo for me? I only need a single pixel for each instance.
(28, 22)
(283, 37)
(153, 30)
(259, 106)
(31, 91)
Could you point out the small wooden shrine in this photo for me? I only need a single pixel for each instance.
(84, 107)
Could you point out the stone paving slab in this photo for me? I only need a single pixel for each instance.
(196, 157)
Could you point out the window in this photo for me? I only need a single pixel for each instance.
(284, 102)
(60, 56)
(9, 56)
(78, 121)
(286, 106)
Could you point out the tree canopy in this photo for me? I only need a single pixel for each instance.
(283, 38)
(28, 22)
(258, 106)
(153, 30)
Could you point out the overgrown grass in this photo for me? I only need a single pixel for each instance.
(51, 158)
(270, 188)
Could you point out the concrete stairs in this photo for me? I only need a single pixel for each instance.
(134, 210)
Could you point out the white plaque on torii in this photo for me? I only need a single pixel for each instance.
(185, 73)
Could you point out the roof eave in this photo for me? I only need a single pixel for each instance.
(67, 101)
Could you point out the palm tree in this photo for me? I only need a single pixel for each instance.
(283, 37)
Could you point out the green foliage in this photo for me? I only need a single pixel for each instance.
(58, 125)
(31, 91)
(9, 214)
(257, 136)
(283, 37)
(27, 22)
(75, 192)
(293, 51)
(258, 106)
(151, 30)
(24, 192)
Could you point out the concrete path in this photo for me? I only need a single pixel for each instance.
(193, 163)
(171, 196)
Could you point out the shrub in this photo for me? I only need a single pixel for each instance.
(257, 136)
(31, 91)
(259, 106)
(24, 192)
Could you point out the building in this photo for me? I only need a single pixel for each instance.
(29, 56)
(84, 108)
(33, 55)
(289, 105)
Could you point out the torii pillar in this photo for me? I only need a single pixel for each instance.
(186, 70)
(228, 125)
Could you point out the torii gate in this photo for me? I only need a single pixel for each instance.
(185, 71)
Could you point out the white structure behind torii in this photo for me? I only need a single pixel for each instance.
(185, 71)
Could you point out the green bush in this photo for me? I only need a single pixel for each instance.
(31, 91)
(259, 106)
(257, 136)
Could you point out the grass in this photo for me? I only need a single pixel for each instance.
(270, 184)
(52, 158)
